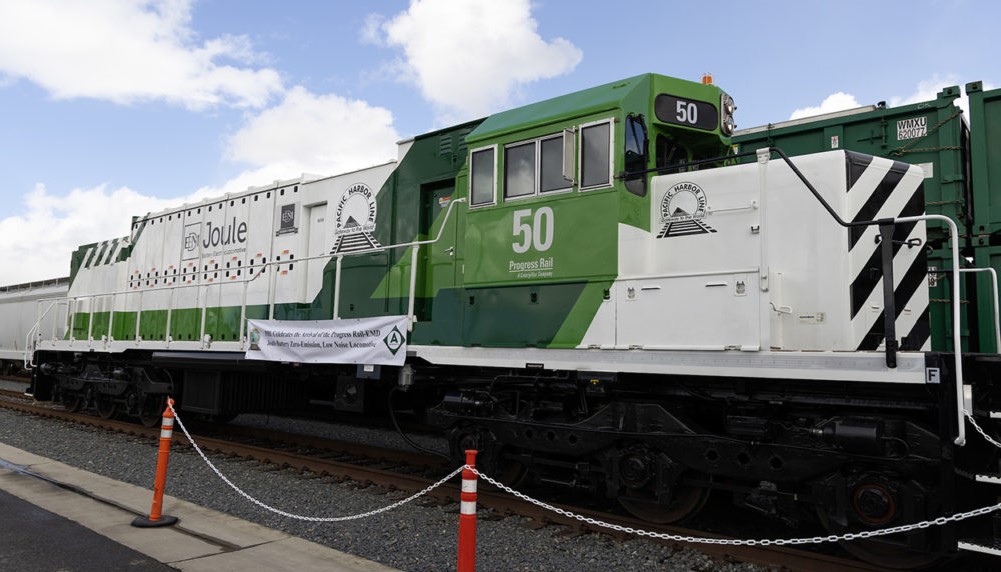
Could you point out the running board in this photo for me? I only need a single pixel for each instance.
(982, 545)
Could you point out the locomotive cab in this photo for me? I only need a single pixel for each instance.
(551, 188)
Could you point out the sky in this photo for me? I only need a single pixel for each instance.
(115, 108)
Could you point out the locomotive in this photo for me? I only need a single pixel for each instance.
(593, 291)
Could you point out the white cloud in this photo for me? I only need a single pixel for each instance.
(306, 133)
(43, 237)
(127, 51)
(835, 102)
(469, 57)
(929, 89)
(326, 134)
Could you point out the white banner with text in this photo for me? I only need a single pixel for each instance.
(381, 340)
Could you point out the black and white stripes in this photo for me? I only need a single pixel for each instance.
(104, 252)
(881, 189)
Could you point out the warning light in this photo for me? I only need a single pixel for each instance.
(707, 78)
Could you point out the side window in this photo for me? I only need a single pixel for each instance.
(519, 170)
(669, 154)
(551, 175)
(535, 167)
(636, 156)
(596, 163)
(481, 179)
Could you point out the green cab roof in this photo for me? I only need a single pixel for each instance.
(586, 102)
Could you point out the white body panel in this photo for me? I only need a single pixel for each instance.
(233, 251)
(20, 309)
(746, 258)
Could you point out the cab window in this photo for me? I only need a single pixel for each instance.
(670, 153)
(636, 155)
(534, 167)
(481, 179)
(595, 155)
(552, 166)
(519, 170)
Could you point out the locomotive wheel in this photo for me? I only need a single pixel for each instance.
(489, 459)
(511, 473)
(151, 413)
(106, 407)
(686, 501)
(72, 402)
(880, 553)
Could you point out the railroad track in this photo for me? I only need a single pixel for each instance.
(409, 472)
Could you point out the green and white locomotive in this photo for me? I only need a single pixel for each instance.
(589, 290)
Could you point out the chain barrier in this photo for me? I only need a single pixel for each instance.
(245, 495)
(742, 542)
(969, 417)
(849, 536)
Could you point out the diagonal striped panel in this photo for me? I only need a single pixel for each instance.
(879, 189)
(870, 275)
(870, 209)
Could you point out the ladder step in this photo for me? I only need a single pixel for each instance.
(983, 545)
(993, 479)
(995, 414)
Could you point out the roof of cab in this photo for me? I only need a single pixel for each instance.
(586, 102)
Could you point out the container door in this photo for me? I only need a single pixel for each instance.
(316, 230)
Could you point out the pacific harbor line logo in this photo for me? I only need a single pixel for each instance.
(682, 210)
(355, 221)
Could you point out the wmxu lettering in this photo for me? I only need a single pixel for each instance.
(224, 235)
(912, 128)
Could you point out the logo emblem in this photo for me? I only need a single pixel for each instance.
(192, 236)
(682, 210)
(355, 221)
(286, 225)
(255, 339)
(394, 340)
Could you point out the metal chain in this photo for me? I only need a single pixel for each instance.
(980, 430)
(741, 542)
(940, 521)
(301, 517)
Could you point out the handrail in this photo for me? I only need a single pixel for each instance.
(957, 348)
(29, 347)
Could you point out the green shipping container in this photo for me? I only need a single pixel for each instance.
(930, 134)
(985, 161)
(985, 158)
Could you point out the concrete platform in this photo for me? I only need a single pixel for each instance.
(203, 540)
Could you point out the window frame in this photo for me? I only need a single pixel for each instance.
(493, 177)
(537, 191)
(611, 154)
(535, 174)
(560, 190)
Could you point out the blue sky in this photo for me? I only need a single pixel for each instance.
(113, 108)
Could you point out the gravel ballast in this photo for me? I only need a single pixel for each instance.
(413, 537)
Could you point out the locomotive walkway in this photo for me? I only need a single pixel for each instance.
(57, 517)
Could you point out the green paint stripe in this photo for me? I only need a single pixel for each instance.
(100, 254)
(114, 248)
(90, 256)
